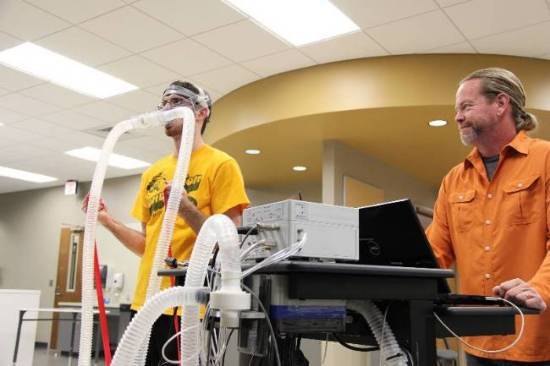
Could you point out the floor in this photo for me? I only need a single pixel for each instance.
(45, 357)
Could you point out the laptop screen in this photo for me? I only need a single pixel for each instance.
(390, 234)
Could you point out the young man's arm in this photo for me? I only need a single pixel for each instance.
(132, 239)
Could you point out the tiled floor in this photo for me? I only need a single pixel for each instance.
(45, 357)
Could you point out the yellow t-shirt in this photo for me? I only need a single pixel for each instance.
(214, 184)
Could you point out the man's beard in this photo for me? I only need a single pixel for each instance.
(469, 136)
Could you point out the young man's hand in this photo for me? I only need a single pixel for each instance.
(102, 213)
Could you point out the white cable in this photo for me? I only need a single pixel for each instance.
(325, 351)
(175, 362)
(496, 350)
(383, 329)
(257, 244)
(274, 338)
(278, 256)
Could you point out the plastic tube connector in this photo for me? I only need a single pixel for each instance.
(160, 118)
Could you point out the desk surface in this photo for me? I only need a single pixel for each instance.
(58, 310)
(339, 268)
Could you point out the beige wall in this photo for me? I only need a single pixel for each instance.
(340, 160)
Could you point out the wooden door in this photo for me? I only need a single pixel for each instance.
(68, 284)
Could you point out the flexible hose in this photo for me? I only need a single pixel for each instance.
(143, 121)
(86, 322)
(218, 228)
(170, 215)
(390, 351)
(141, 323)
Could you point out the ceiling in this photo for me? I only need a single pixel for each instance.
(152, 42)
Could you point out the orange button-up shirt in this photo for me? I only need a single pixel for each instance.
(498, 230)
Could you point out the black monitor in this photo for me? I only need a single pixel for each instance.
(390, 234)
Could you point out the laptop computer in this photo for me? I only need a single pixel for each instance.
(390, 234)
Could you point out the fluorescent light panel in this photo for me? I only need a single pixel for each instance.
(115, 160)
(63, 71)
(26, 176)
(298, 21)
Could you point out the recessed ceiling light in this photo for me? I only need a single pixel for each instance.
(297, 21)
(252, 151)
(437, 123)
(1, 124)
(299, 168)
(58, 69)
(26, 176)
(115, 160)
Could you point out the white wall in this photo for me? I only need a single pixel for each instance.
(30, 224)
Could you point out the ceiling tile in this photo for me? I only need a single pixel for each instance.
(4, 91)
(40, 127)
(105, 111)
(20, 153)
(131, 69)
(377, 12)
(57, 95)
(186, 57)
(77, 11)
(514, 43)
(446, 3)
(417, 34)
(83, 46)
(7, 116)
(73, 120)
(4, 144)
(26, 105)
(27, 22)
(18, 135)
(279, 62)
(131, 29)
(206, 14)
(226, 79)
(241, 41)
(350, 46)
(479, 18)
(138, 101)
(69, 140)
(7, 41)
(14, 80)
(462, 47)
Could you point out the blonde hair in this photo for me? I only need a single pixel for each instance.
(495, 80)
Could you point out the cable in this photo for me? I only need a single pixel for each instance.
(275, 345)
(248, 234)
(383, 329)
(354, 348)
(175, 362)
(224, 348)
(496, 350)
(325, 351)
(278, 256)
(256, 245)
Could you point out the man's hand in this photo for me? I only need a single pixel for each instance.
(102, 214)
(520, 293)
(185, 203)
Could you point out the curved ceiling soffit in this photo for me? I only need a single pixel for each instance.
(363, 84)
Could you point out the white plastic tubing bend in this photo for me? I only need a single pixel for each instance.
(230, 299)
(390, 352)
(135, 334)
(142, 121)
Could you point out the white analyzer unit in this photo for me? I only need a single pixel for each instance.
(332, 231)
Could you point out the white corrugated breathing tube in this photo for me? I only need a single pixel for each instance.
(142, 121)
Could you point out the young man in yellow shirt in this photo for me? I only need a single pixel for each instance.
(492, 215)
(214, 185)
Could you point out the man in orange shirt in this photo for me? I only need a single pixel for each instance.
(492, 215)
